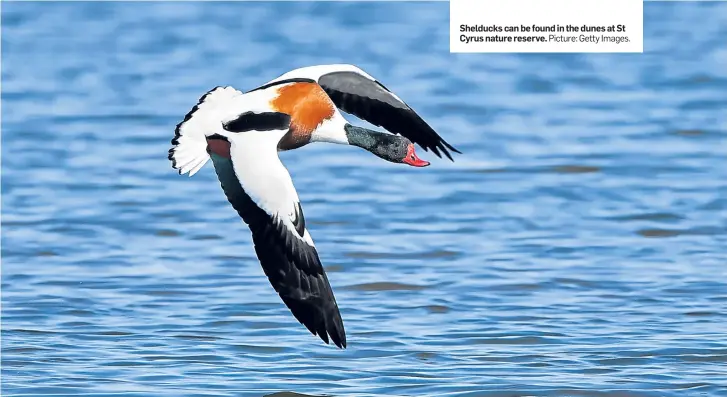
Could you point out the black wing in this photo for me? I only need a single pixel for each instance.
(292, 266)
(369, 100)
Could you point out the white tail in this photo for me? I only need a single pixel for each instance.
(189, 146)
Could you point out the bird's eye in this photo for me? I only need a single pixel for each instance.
(411, 157)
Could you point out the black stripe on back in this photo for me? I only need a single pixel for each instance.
(267, 121)
(285, 81)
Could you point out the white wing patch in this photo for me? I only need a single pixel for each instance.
(264, 177)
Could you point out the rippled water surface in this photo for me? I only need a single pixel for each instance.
(578, 247)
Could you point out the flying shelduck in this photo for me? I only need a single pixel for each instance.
(242, 134)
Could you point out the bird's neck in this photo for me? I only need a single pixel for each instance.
(373, 141)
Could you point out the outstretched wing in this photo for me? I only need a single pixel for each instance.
(357, 93)
(260, 189)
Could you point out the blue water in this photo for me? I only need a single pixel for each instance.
(578, 247)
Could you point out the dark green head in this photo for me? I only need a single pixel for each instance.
(393, 148)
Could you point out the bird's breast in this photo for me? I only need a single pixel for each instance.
(219, 147)
(294, 139)
(308, 106)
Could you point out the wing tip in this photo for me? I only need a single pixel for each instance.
(337, 332)
(332, 327)
(450, 147)
(321, 320)
(442, 147)
(330, 334)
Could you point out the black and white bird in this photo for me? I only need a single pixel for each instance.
(242, 134)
